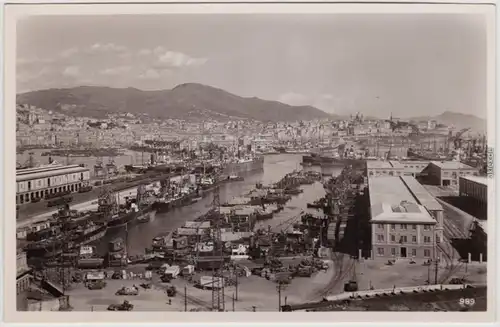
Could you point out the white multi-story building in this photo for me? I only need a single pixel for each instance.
(38, 182)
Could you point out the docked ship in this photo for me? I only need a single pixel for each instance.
(342, 157)
(174, 197)
(248, 164)
(116, 215)
(144, 202)
(67, 232)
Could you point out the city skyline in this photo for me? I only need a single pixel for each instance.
(408, 65)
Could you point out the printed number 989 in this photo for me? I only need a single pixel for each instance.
(467, 301)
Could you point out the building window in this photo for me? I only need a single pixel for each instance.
(427, 239)
(404, 226)
(414, 239)
(404, 239)
(391, 173)
(438, 239)
(371, 173)
(380, 251)
(427, 227)
(393, 238)
(380, 238)
(26, 197)
(427, 253)
(380, 226)
(48, 182)
(393, 252)
(413, 252)
(414, 227)
(393, 226)
(81, 176)
(29, 185)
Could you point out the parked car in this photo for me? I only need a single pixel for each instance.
(125, 306)
(97, 285)
(128, 291)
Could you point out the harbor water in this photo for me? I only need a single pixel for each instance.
(275, 167)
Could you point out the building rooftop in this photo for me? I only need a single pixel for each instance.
(378, 164)
(30, 174)
(477, 179)
(421, 194)
(392, 201)
(451, 165)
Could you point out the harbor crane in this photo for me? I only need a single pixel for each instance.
(218, 303)
(457, 139)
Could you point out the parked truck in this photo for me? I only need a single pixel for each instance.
(187, 270)
(172, 271)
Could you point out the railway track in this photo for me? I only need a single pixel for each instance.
(452, 231)
(451, 266)
(342, 269)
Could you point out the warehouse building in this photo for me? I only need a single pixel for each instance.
(401, 228)
(428, 201)
(35, 183)
(475, 187)
(473, 191)
(447, 173)
(395, 168)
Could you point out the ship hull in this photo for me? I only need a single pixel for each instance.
(244, 167)
(55, 248)
(330, 162)
(93, 236)
(122, 220)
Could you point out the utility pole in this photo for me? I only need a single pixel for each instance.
(236, 282)
(436, 271)
(185, 299)
(233, 302)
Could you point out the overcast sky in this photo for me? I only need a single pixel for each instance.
(408, 64)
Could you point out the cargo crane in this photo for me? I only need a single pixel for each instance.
(218, 303)
(457, 138)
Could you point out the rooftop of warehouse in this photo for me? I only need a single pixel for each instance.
(383, 164)
(477, 179)
(421, 194)
(392, 201)
(451, 165)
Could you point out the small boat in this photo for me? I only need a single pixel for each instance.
(235, 178)
(194, 200)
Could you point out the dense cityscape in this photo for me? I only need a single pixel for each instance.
(161, 191)
(80, 197)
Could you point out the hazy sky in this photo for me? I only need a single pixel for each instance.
(408, 64)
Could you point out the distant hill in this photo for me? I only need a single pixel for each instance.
(458, 120)
(186, 101)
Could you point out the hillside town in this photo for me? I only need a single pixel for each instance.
(258, 172)
(364, 167)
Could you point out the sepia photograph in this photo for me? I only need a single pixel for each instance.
(251, 160)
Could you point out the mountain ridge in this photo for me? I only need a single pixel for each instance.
(185, 101)
(459, 120)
